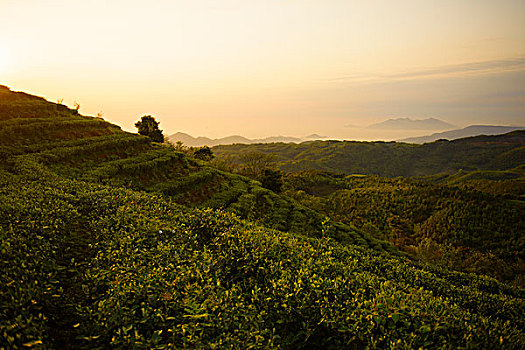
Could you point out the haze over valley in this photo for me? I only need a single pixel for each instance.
(389, 130)
(269, 68)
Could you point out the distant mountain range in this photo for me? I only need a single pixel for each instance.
(472, 130)
(315, 137)
(191, 141)
(412, 124)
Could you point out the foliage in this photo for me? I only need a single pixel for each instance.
(203, 153)
(123, 159)
(389, 159)
(509, 184)
(460, 227)
(148, 126)
(178, 146)
(272, 179)
(254, 163)
(111, 274)
(96, 251)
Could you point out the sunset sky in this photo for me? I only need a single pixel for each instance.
(268, 67)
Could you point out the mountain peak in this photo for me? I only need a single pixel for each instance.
(413, 124)
(315, 136)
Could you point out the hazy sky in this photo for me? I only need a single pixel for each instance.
(268, 67)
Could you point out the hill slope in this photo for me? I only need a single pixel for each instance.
(94, 255)
(90, 266)
(391, 159)
(451, 223)
(92, 150)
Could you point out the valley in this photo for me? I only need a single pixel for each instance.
(110, 240)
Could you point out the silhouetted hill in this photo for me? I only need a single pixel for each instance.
(191, 141)
(411, 124)
(472, 130)
(200, 141)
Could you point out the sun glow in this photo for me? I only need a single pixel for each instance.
(259, 68)
(3, 61)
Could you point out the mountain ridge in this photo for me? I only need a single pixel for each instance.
(200, 141)
(471, 130)
(412, 124)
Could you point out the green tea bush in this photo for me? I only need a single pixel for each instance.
(96, 252)
(159, 275)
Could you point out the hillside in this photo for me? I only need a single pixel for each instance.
(464, 221)
(469, 131)
(391, 159)
(509, 184)
(111, 241)
(92, 150)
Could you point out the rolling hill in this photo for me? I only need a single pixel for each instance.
(391, 159)
(469, 221)
(92, 150)
(108, 240)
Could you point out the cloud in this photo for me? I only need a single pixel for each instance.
(476, 68)
(505, 65)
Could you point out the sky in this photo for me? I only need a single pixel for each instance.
(262, 68)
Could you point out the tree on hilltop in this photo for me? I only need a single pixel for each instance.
(204, 153)
(148, 126)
